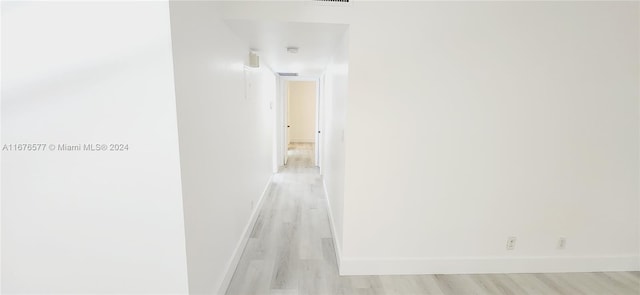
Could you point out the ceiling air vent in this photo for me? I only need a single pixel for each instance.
(288, 74)
(334, 3)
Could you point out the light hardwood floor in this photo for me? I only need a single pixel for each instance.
(290, 251)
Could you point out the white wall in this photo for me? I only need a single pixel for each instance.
(492, 120)
(90, 222)
(302, 111)
(334, 102)
(226, 138)
(280, 145)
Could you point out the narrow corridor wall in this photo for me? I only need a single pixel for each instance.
(225, 125)
(334, 103)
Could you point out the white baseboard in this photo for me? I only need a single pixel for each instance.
(237, 253)
(409, 266)
(336, 241)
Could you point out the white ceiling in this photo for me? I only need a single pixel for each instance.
(316, 42)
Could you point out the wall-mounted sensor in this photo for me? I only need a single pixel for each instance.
(292, 49)
(254, 60)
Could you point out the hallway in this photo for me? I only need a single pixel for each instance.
(290, 251)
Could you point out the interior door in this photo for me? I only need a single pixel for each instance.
(318, 122)
(286, 125)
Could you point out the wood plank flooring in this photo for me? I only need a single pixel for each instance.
(290, 251)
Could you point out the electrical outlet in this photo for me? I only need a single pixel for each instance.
(251, 205)
(562, 243)
(511, 243)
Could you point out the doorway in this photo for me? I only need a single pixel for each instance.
(301, 119)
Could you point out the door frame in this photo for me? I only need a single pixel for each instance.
(281, 117)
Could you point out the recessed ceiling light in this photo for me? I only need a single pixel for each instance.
(292, 49)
